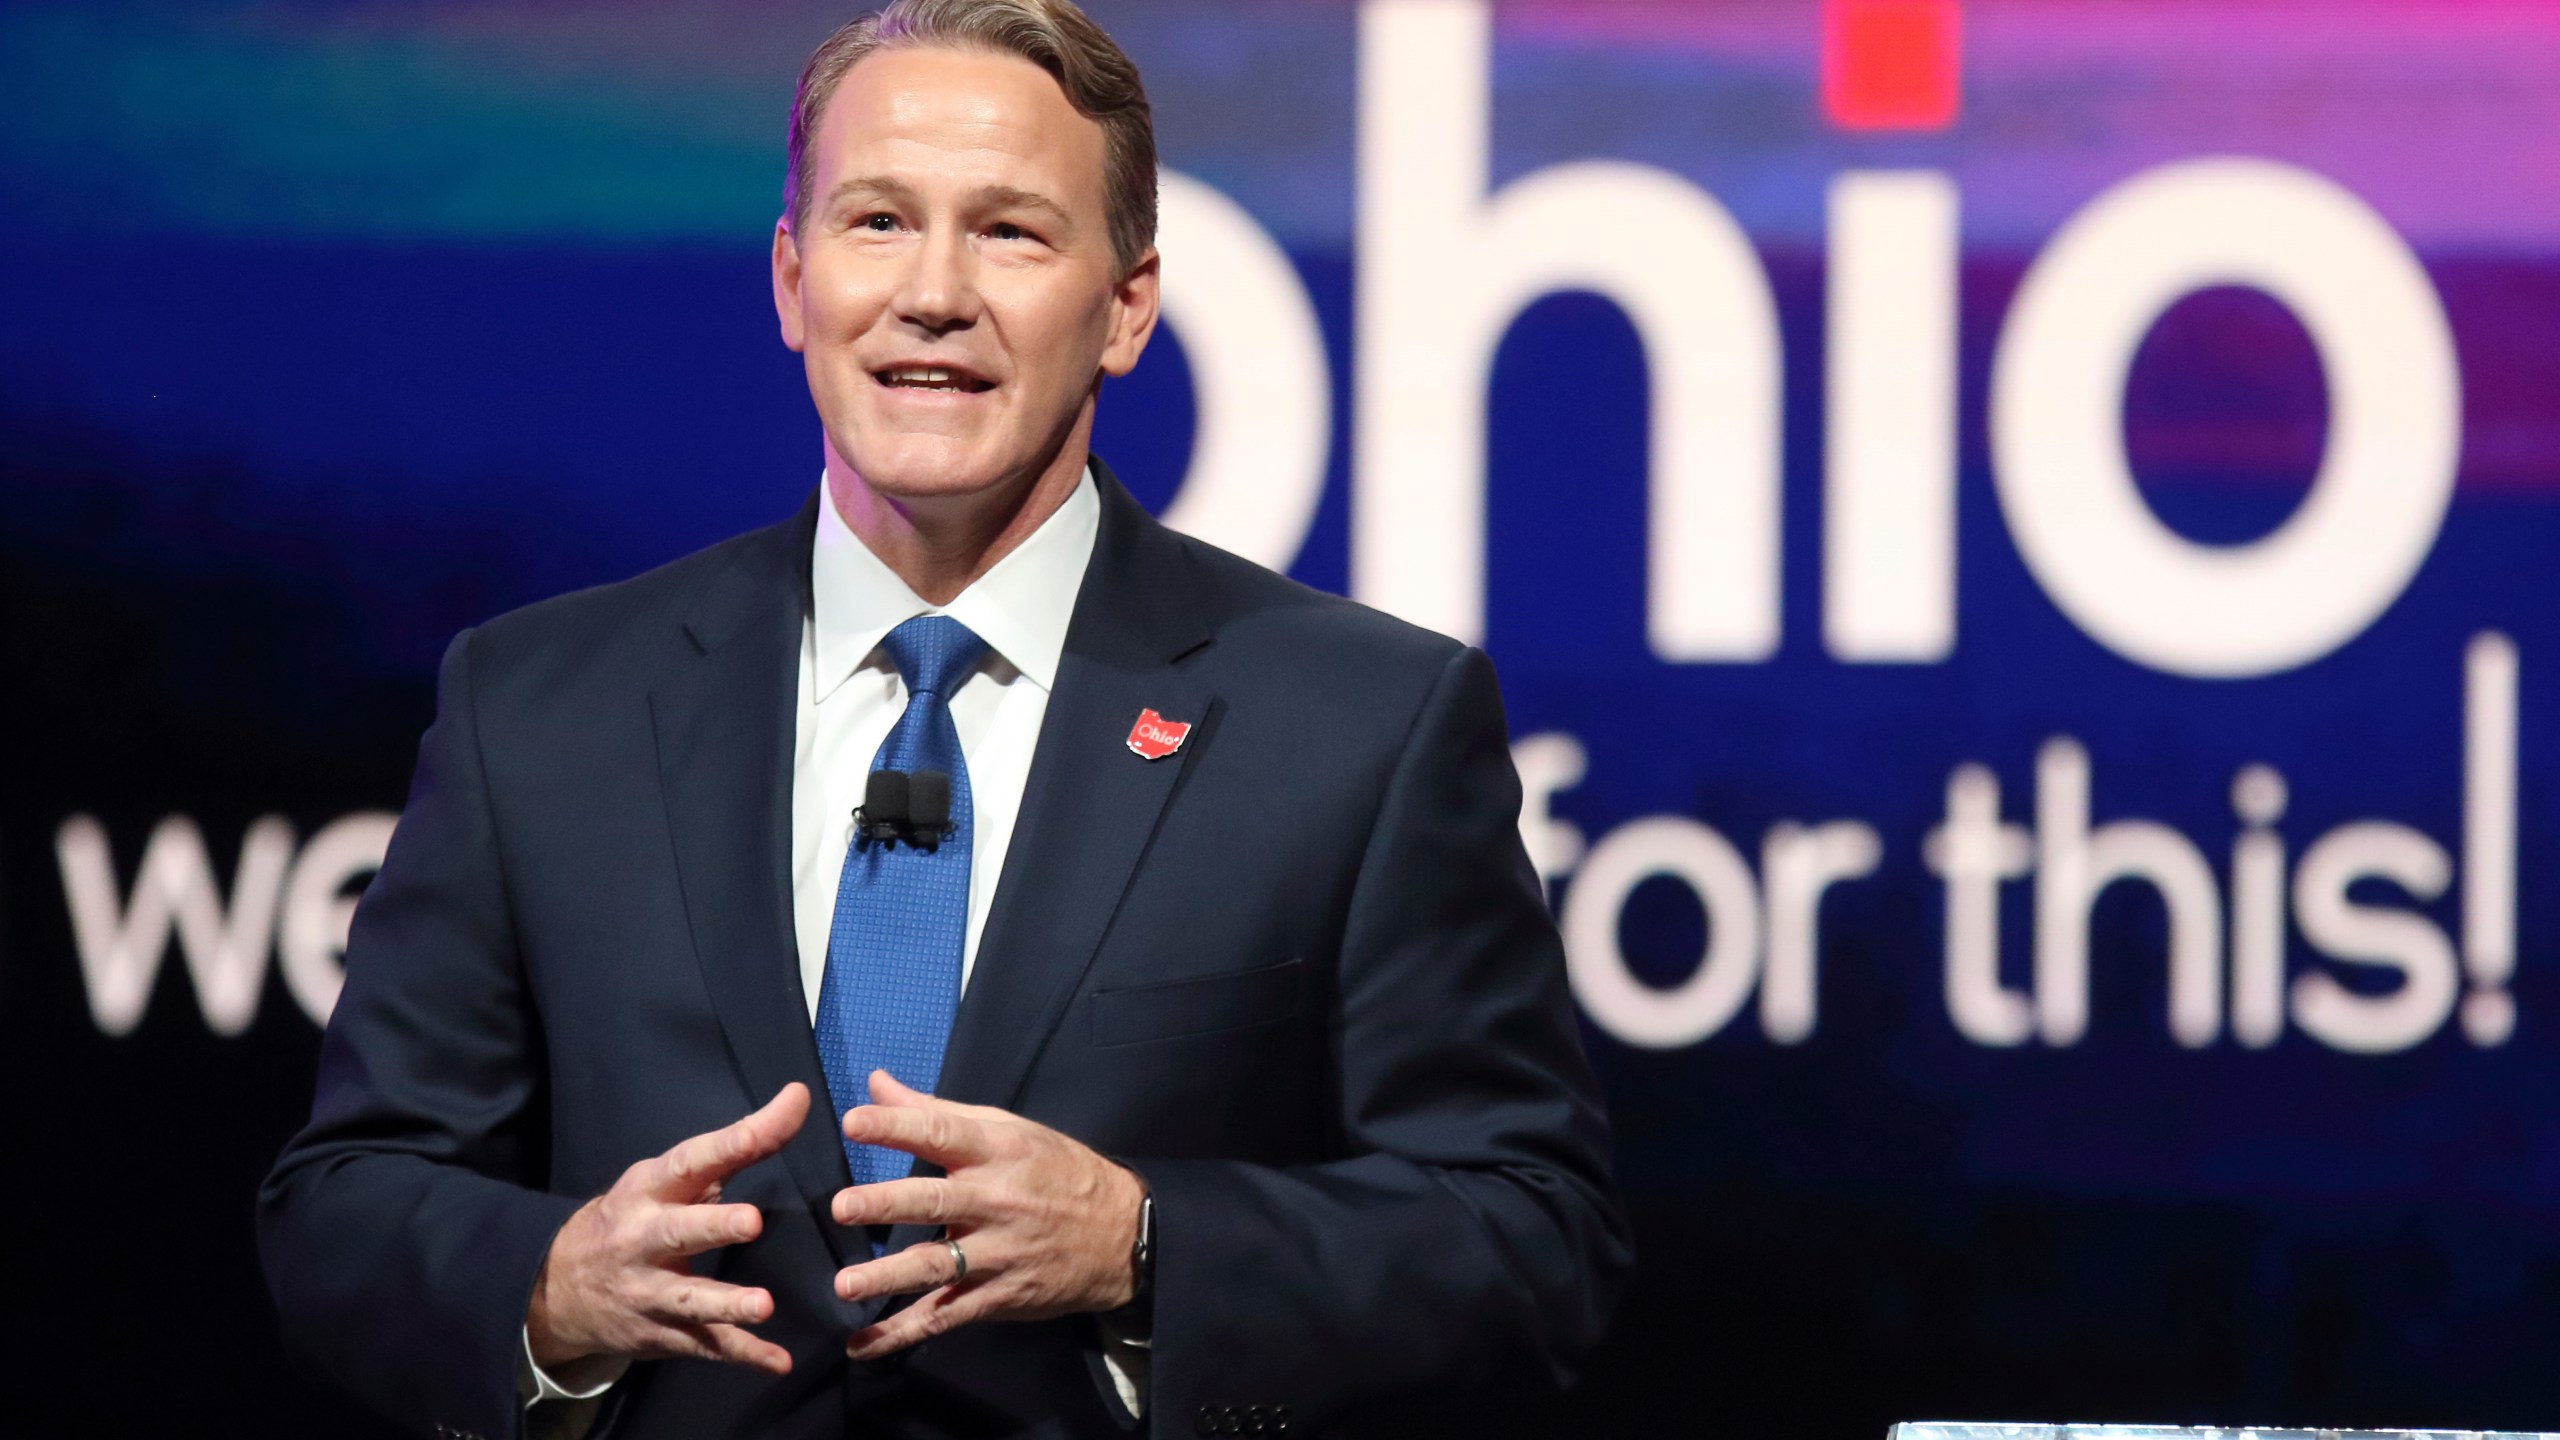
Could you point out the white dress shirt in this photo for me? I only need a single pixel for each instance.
(851, 695)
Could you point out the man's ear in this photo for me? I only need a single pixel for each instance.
(1135, 303)
(786, 282)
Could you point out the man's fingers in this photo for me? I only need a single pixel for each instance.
(687, 1171)
(938, 1313)
(916, 1200)
(939, 1134)
(740, 1348)
(692, 1229)
(725, 1343)
(782, 1116)
(687, 1300)
(888, 1089)
(920, 1266)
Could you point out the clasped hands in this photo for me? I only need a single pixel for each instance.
(1045, 1221)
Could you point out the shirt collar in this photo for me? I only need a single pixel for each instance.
(1020, 607)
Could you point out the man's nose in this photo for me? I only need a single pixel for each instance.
(940, 292)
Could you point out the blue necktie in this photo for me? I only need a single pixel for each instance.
(902, 912)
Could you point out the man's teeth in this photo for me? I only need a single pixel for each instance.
(928, 375)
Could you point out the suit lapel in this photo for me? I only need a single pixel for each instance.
(1090, 805)
(724, 721)
(724, 725)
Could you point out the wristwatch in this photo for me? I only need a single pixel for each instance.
(1142, 1253)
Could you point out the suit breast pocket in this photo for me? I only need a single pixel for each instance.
(1200, 1005)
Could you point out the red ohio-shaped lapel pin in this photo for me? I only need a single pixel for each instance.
(1154, 737)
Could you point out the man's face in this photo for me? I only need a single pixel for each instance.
(952, 288)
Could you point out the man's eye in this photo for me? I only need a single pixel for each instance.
(1007, 230)
(880, 224)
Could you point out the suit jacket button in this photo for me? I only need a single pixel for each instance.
(1279, 1419)
(1206, 1422)
(1255, 1419)
(1231, 1422)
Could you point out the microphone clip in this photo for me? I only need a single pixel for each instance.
(902, 808)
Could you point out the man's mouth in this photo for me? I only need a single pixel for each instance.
(932, 377)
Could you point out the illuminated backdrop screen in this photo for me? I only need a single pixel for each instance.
(2019, 537)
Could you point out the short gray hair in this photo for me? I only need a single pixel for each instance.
(1099, 80)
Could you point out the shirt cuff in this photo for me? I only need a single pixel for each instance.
(535, 1385)
(1127, 1351)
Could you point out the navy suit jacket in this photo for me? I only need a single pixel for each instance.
(1298, 974)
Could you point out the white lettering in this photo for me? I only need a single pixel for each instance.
(1625, 1006)
(2257, 909)
(1261, 391)
(1889, 458)
(2074, 863)
(1973, 851)
(2373, 935)
(1444, 269)
(121, 943)
(2489, 837)
(1798, 864)
(1549, 762)
(312, 934)
(2057, 435)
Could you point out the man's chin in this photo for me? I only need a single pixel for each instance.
(932, 479)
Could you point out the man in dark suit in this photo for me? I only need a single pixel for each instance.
(1209, 1018)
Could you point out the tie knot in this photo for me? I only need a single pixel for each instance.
(933, 653)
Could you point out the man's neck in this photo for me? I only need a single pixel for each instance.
(940, 547)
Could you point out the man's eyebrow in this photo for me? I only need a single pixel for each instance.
(1009, 197)
(879, 185)
(992, 197)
